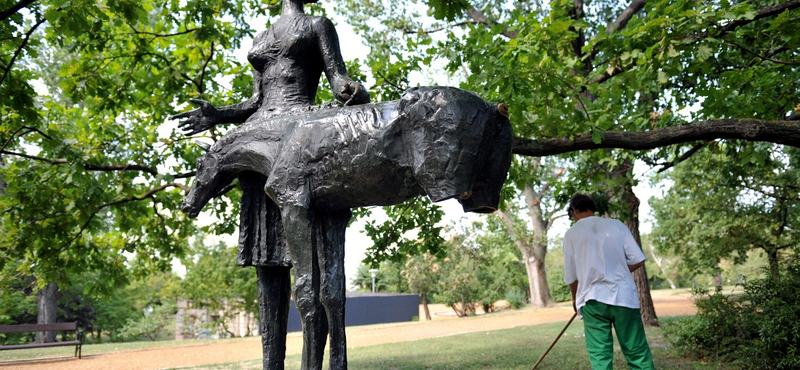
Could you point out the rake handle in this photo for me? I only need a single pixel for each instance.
(555, 341)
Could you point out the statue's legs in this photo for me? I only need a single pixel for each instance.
(274, 293)
(332, 282)
(300, 230)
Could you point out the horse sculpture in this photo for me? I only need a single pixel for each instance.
(441, 142)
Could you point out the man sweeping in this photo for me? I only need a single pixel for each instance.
(599, 256)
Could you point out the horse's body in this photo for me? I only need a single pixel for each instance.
(440, 142)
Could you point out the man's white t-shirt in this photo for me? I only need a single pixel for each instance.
(597, 252)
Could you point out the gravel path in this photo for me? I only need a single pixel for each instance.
(443, 324)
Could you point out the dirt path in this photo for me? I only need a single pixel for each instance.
(443, 324)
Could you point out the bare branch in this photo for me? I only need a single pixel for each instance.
(779, 132)
(15, 8)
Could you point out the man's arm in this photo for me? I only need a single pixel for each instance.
(573, 288)
(633, 267)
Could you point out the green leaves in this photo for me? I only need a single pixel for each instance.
(391, 238)
(448, 9)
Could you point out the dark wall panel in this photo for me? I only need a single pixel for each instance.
(371, 308)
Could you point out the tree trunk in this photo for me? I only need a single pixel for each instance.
(648, 310)
(537, 282)
(663, 270)
(533, 257)
(46, 300)
(425, 306)
(774, 267)
(629, 199)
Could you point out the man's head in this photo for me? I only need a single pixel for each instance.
(581, 206)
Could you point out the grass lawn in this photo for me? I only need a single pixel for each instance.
(516, 348)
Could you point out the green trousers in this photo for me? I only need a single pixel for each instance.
(597, 321)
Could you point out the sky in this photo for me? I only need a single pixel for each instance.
(356, 242)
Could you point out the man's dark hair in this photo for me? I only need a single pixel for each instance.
(582, 203)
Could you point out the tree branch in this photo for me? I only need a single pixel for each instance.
(779, 132)
(15, 8)
(20, 48)
(203, 70)
(30, 129)
(433, 30)
(23, 155)
(144, 196)
(684, 157)
(762, 13)
(761, 56)
(184, 175)
(623, 18)
(159, 35)
(478, 17)
(121, 167)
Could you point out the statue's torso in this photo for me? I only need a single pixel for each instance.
(288, 57)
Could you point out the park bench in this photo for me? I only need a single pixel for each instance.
(27, 328)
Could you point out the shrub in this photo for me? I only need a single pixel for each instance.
(516, 297)
(755, 330)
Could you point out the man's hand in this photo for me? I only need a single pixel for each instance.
(197, 120)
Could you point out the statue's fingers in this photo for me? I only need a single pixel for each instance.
(181, 115)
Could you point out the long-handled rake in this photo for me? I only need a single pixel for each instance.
(554, 342)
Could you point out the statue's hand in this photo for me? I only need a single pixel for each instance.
(355, 93)
(197, 120)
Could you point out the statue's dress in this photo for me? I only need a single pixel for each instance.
(278, 53)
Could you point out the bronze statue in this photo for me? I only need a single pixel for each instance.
(288, 60)
(302, 168)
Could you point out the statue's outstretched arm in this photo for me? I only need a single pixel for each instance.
(344, 88)
(207, 116)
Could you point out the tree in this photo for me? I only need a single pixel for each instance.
(389, 278)
(500, 267)
(422, 274)
(89, 178)
(213, 280)
(534, 178)
(605, 75)
(459, 285)
(152, 324)
(728, 200)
